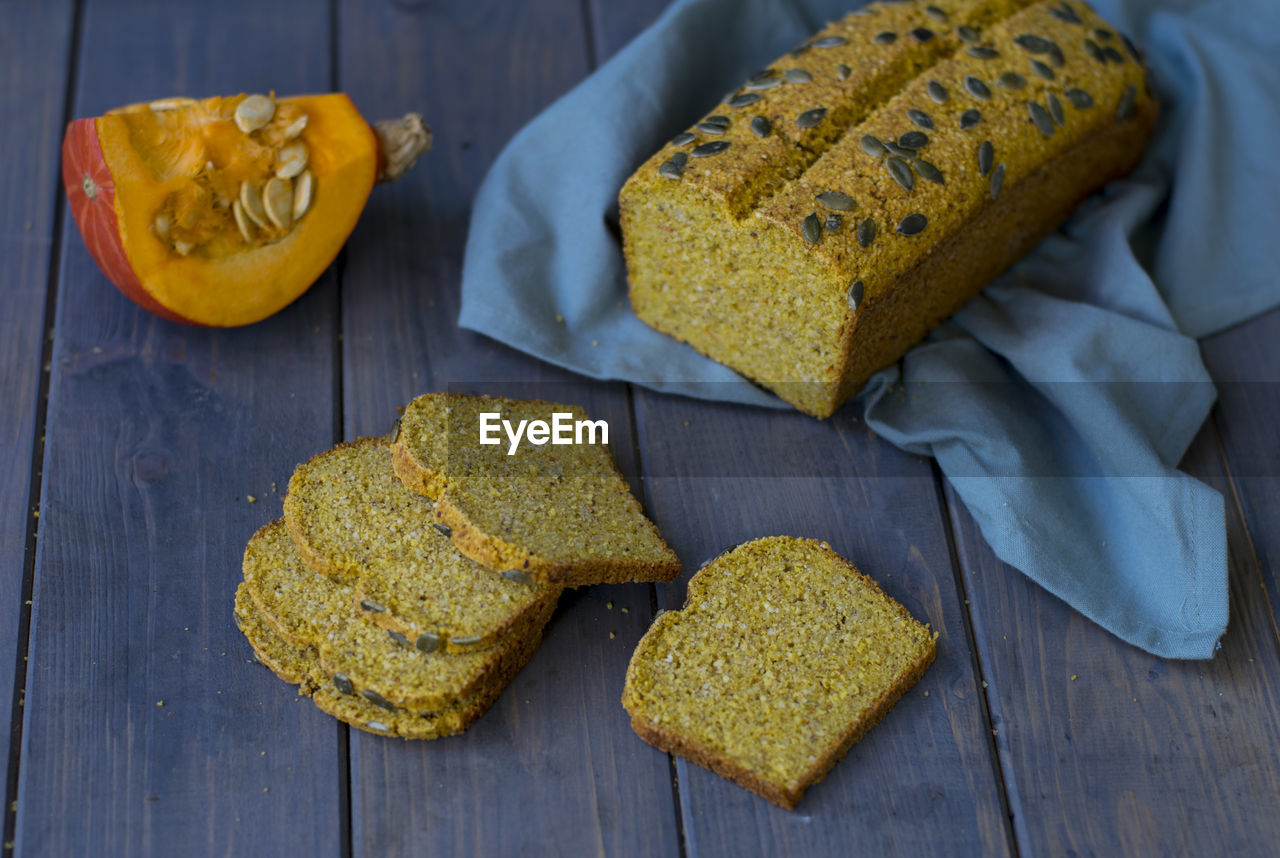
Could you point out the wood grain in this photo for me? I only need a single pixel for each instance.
(551, 769)
(35, 55)
(148, 731)
(1108, 750)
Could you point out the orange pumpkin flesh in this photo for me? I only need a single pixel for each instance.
(155, 191)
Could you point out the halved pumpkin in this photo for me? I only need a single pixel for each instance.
(221, 212)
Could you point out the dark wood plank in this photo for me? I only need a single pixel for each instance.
(147, 731)
(1244, 363)
(35, 54)
(924, 781)
(551, 769)
(1108, 750)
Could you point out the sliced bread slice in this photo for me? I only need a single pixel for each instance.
(353, 520)
(559, 513)
(783, 656)
(309, 610)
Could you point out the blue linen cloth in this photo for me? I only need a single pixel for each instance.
(1059, 402)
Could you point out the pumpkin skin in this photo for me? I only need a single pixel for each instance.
(115, 184)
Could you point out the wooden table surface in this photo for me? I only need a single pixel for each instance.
(136, 723)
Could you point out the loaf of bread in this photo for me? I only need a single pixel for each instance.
(852, 195)
(783, 656)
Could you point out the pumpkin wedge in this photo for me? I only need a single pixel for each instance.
(221, 212)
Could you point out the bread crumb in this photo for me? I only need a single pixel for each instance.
(609, 605)
(1073, 677)
(159, 702)
(251, 498)
(626, 610)
(559, 319)
(612, 636)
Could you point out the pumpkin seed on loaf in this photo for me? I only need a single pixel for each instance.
(300, 667)
(309, 610)
(560, 514)
(783, 656)
(352, 519)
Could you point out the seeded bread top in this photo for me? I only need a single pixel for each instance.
(306, 609)
(351, 516)
(557, 512)
(782, 649)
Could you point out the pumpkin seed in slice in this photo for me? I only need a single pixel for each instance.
(1034, 44)
(929, 172)
(763, 83)
(936, 14)
(342, 682)
(296, 127)
(828, 42)
(811, 228)
(1128, 101)
(976, 87)
(967, 33)
(242, 222)
(254, 112)
(684, 138)
(302, 194)
(986, 155)
(744, 99)
(251, 201)
(442, 529)
(372, 606)
(377, 699)
(1041, 69)
(797, 76)
(873, 147)
(718, 119)
(468, 640)
(982, 52)
(970, 118)
(706, 150)
(843, 72)
(997, 180)
(866, 232)
(1040, 118)
(761, 126)
(1011, 80)
(855, 294)
(1079, 98)
(1055, 110)
(919, 117)
(810, 118)
(517, 576)
(398, 638)
(836, 201)
(670, 170)
(1113, 55)
(901, 171)
(291, 159)
(427, 642)
(1092, 49)
(937, 92)
(277, 199)
(922, 34)
(711, 127)
(913, 224)
(680, 159)
(888, 37)
(914, 140)
(900, 151)
(1132, 49)
(1066, 14)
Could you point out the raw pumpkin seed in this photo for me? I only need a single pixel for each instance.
(914, 140)
(828, 42)
(888, 37)
(1055, 110)
(919, 117)
(937, 92)
(277, 199)
(744, 99)
(706, 150)
(296, 127)
(913, 224)
(372, 606)
(162, 104)
(810, 118)
(763, 83)
(936, 14)
(242, 222)
(873, 147)
(901, 171)
(797, 76)
(970, 118)
(1128, 101)
(761, 126)
(427, 642)
(442, 529)
(398, 638)
(163, 223)
(982, 52)
(1040, 117)
(302, 194)
(922, 34)
(684, 138)
(976, 87)
(811, 228)
(1011, 80)
(251, 201)
(1079, 98)
(517, 576)
(986, 156)
(836, 201)
(377, 699)
(997, 180)
(967, 33)
(342, 682)
(843, 72)
(291, 159)
(866, 232)
(832, 223)
(182, 248)
(929, 172)
(854, 296)
(254, 112)
(1041, 69)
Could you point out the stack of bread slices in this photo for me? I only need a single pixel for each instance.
(411, 576)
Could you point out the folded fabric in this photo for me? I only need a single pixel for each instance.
(1059, 402)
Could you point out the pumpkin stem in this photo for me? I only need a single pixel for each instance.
(402, 141)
